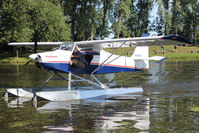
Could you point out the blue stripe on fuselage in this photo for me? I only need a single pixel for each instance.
(65, 67)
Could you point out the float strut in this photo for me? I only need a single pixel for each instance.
(35, 101)
(6, 96)
(47, 80)
(69, 81)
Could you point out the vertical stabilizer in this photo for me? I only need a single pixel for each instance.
(140, 57)
(141, 52)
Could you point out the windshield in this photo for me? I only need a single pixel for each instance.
(67, 46)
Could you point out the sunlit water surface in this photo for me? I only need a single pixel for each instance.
(170, 102)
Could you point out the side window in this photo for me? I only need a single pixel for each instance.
(67, 46)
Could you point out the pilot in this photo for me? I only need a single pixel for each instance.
(78, 59)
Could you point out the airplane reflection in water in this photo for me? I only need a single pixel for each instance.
(18, 102)
(138, 113)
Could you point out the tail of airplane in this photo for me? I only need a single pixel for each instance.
(141, 57)
(141, 52)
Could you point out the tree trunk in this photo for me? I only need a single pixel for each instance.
(93, 21)
(104, 19)
(166, 6)
(73, 18)
(83, 20)
(35, 39)
(194, 33)
(119, 24)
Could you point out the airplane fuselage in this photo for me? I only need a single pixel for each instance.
(59, 60)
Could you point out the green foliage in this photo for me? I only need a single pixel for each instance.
(82, 18)
(177, 18)
(121, 14)
(48, 21)
(103, 29)
(15, 22)
(180, 17)
(21, 18)
(14, 60)
(163, 10)
(195, 109)
(181, 53)
(55, 20)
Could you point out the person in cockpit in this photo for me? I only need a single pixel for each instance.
(78, 59)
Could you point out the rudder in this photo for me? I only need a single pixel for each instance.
(140, 57)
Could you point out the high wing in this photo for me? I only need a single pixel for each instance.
(33, 43)
(136, 41)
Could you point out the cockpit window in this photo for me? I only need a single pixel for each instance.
(66, 46)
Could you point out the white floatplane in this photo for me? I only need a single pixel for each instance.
(89, 57)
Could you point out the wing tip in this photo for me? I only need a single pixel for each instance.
(177, 38)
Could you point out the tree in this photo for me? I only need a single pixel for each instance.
(160, 25)
(48, 21)
(163, 10)
(177, 18)
(71, 10)
(142, 12)
(83, 18)
(107, 8)
(138, 20)
(93, 22)
(194, 10)
(15, 21)
(22, 19)
(82, 22)
(121, 14)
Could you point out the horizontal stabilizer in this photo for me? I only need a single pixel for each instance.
(156, 58)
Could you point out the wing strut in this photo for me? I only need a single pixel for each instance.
(70, 80)
(108, 57)
(101, 66)
(99, 84)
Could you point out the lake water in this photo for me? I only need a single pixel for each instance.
(170, 102)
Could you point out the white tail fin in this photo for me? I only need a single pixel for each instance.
(141, 52)
(141, 57)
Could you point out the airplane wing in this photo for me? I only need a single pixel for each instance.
(136, 41)
(33, 43)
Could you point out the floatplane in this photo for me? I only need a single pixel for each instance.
(89, 57)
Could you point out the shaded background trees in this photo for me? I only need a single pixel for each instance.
(178, 17)
(75, 20)
(21, 19)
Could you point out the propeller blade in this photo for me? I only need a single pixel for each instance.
(39, 66)
(27, 62)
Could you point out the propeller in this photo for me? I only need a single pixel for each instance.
(27, 62)
(32, 57)
(36, 58)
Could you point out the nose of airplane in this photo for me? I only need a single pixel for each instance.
(33, 56)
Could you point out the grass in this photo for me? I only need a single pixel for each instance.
(195, 109)
(181, 52)
(14, 60)
(121, 51)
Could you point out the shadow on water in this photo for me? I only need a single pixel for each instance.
(169, 102)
